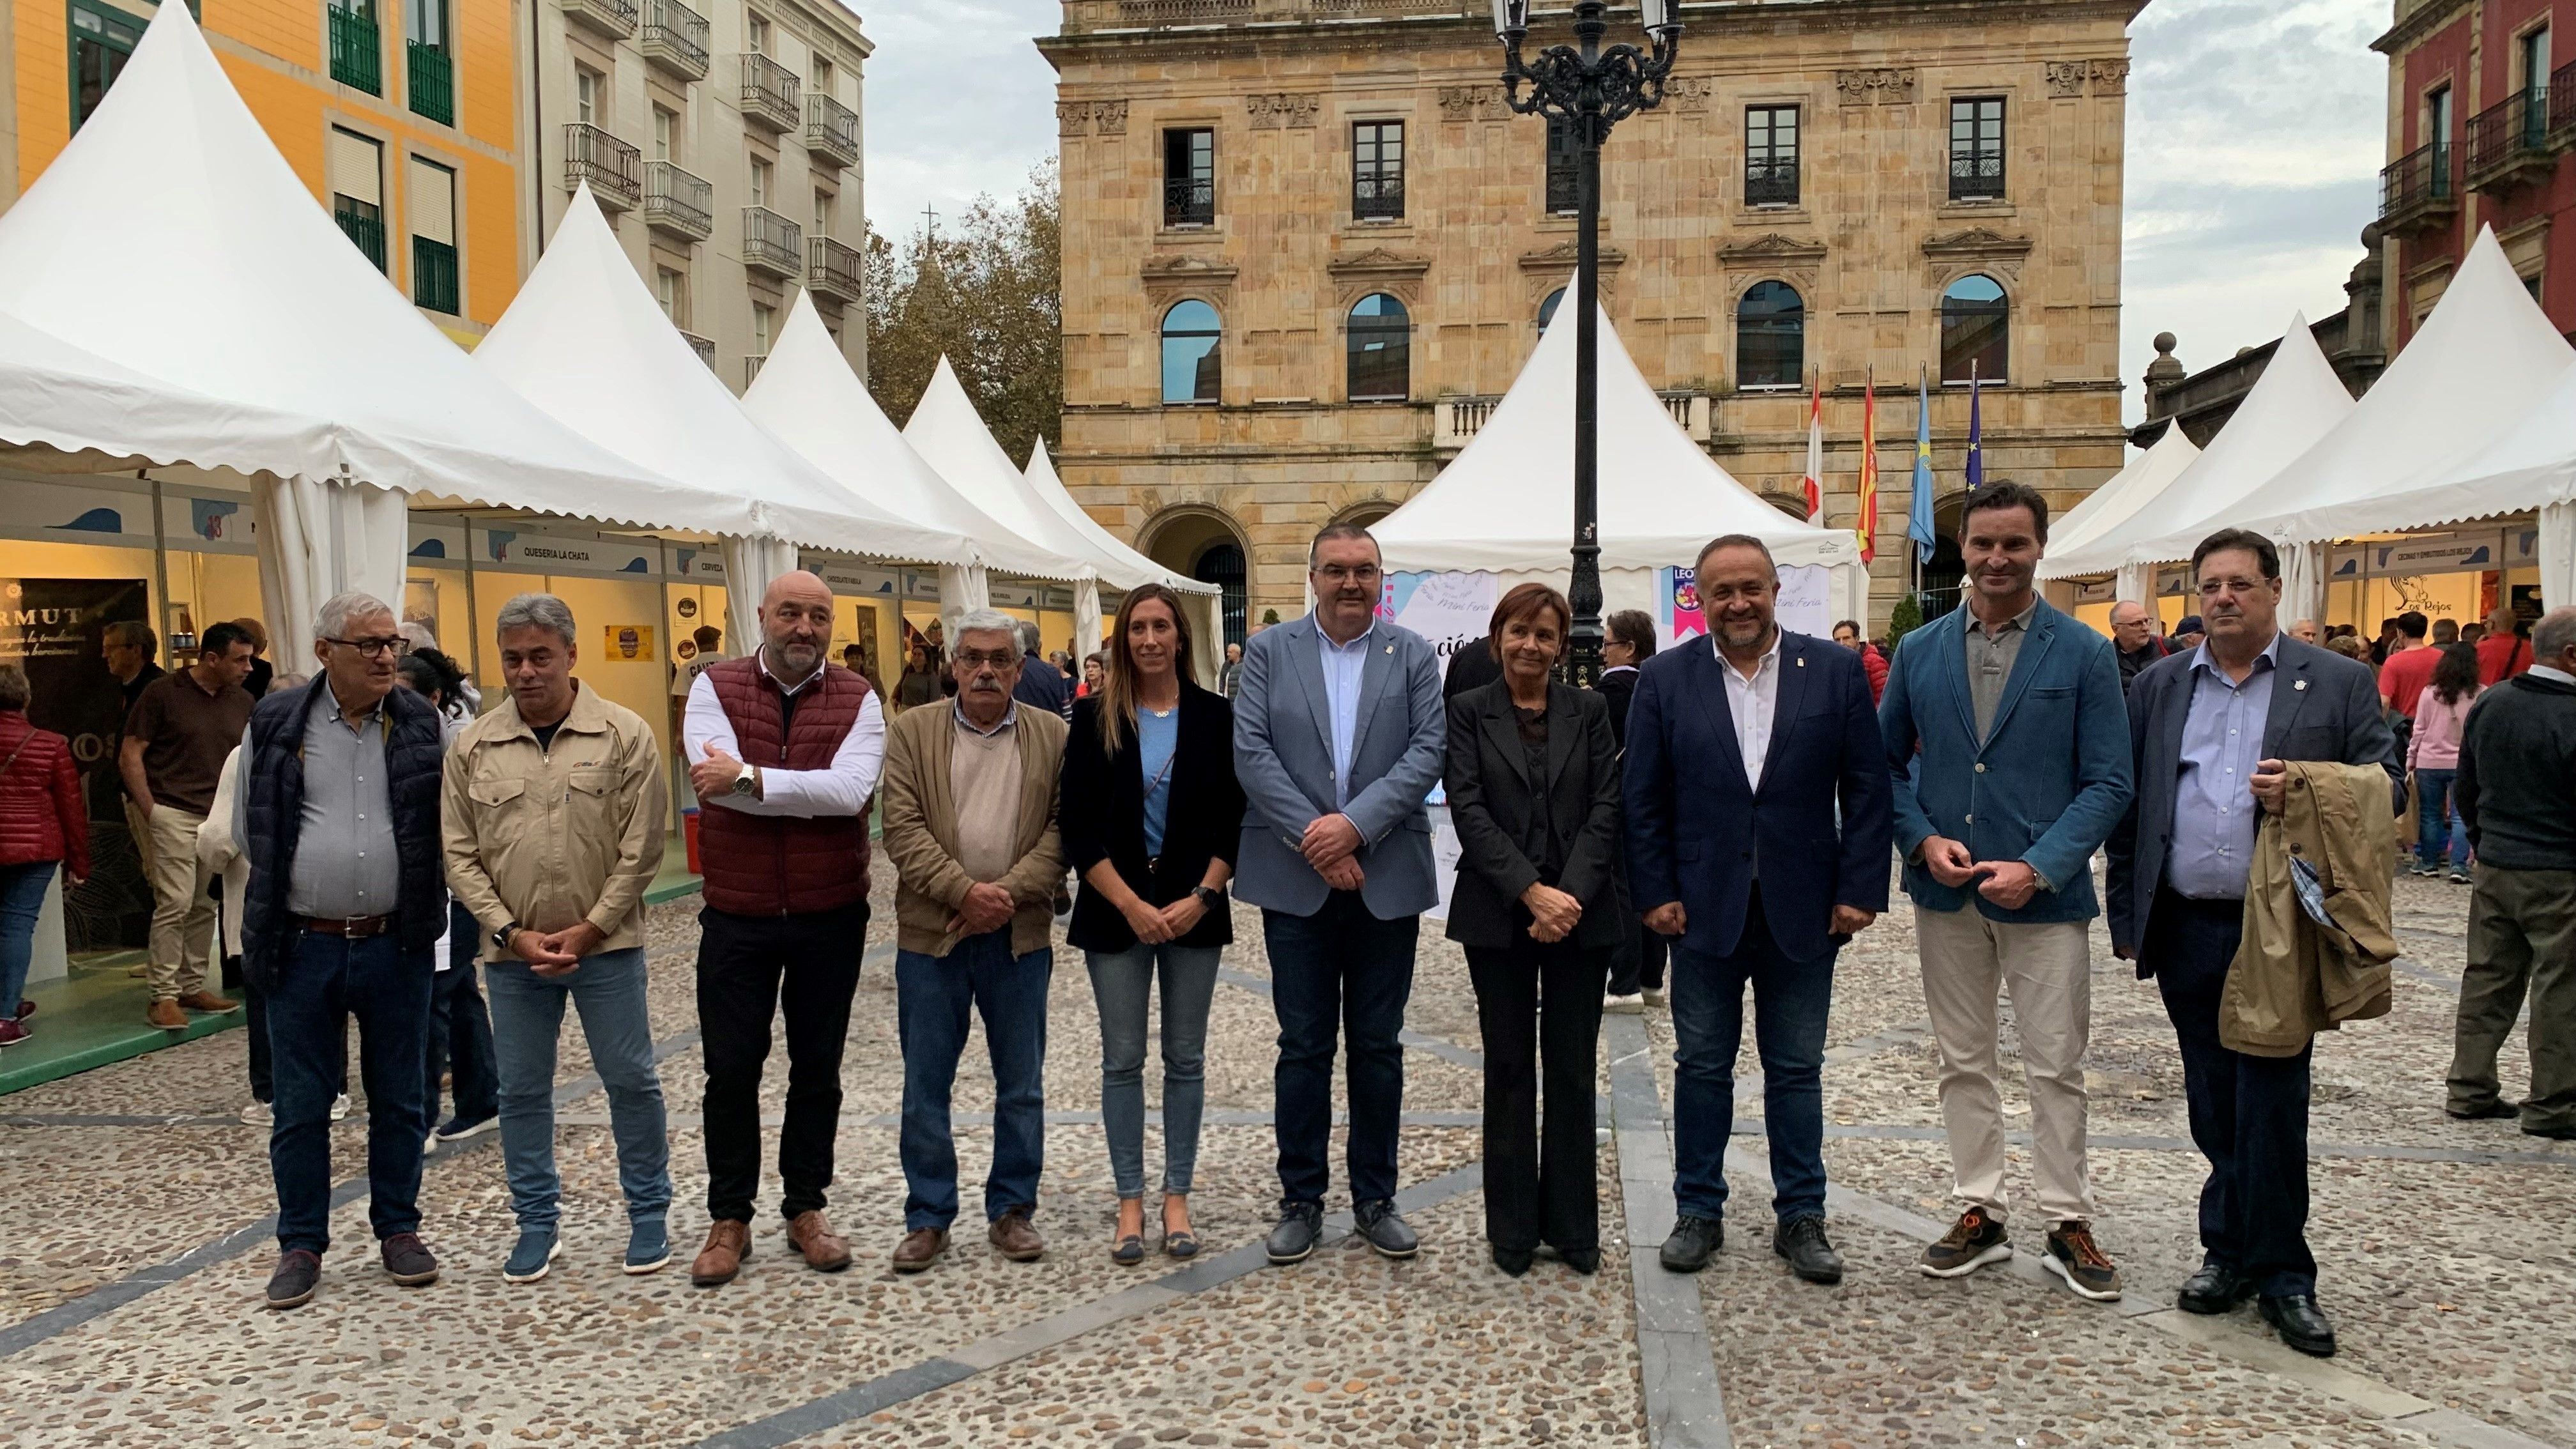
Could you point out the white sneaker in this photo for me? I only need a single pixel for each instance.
(258, 1114)
(1653, 997)
(340, 1107)
(1624, 1005)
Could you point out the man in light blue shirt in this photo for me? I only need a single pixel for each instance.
(1344, 665)
(2222, 741)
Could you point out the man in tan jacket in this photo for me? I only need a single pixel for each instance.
(969, 806)
(552, 816)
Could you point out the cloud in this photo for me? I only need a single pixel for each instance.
(959, 103)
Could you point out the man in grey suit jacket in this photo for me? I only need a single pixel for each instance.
(2212, 729)
(1338, 736)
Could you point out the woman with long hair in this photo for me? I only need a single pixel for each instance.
(1151, 814)
(2433, 753)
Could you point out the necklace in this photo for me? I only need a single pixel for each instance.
(1161, 713)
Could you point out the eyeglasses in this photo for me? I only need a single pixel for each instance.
(973, 659)
(374, 648)
(1338, 574)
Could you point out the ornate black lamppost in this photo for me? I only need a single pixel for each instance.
(1590, 87)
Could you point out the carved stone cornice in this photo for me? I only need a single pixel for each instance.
(1378, 270)
(1689, 92)
(1084, 118)
(1882, 86)
(1170, 275)
(1771, 250)
(1472, 103)
(1976, 244)
(1292, 110)
(2072, 78)
(1562, 256)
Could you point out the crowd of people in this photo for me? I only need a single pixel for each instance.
(1712, 818)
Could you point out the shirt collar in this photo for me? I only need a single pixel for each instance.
(2552, 673)
(1010, 717)
(1770, 657)
(588, 715)
(760, 658)
(1357, 640)
(2270, 658)
(2019, 621)
(326, 701)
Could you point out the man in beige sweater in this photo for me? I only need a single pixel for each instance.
(969, 798)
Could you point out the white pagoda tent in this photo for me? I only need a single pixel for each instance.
(2127, 493)
(1505, 504)
(1208, 597)
(585, 342)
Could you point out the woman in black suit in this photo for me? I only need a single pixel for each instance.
(1533, 782)
(1150, 815)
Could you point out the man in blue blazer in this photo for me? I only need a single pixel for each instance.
(1741, 751)
(1339, 735)
(2008, 745)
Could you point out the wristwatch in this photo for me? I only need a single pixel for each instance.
(747, 781)
(501, 937)
(1208, 896)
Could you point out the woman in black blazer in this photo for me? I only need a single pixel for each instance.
(1151, 815)
(1533, 781)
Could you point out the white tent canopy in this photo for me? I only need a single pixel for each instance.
(66, 410)
(1506, 502)
(2129, 491)
(2296, 402)
(2480, 363)
(1203, 600)
(586, 342)
(1050, 490)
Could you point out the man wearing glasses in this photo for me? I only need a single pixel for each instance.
(338, 813)
(1338, 735)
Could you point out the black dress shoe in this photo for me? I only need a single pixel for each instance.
(1515, 1261)
(2303, 1325)
(1810, 1253)
(2216, 1288)
(1693, 1242)
(1300, 1224)
(2495, 1109)
(1586, 1261)
(2554, 1134)
(1387, 1233)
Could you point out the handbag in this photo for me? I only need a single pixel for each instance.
(2410, 822)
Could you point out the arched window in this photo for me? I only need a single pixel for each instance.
(1976, 331)
(1547, 309)
(1770, 337)
(1193, 367)
(1381, 350)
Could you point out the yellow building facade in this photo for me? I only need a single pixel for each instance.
(401, 116)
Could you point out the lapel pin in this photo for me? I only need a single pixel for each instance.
(2302, 684)
(1802, 661)
(1390, 649)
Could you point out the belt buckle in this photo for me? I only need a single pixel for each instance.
(349, 924)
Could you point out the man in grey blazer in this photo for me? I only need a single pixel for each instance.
(1338, 736)
(2212, 728)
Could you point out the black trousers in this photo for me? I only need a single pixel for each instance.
(748, 967)
(2249, 1114)
(1639, 963)
(1540, 1009)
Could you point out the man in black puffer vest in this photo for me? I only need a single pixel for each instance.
(347, 899)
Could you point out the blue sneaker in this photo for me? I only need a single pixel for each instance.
(534, 1255)
(648, 1247)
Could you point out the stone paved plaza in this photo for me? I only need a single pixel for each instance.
(134, 1243)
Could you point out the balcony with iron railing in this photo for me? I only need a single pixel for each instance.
(678, 204)
(831, 132)
(613, 18)
(1378, 197)
(833, 269)
(364, 226)
(2508, 144)
(357, 51)
(1977, 175)
(704, 347)
(2562, 106)
(434, 279)
(1564, 190)
(614, 169)
(431, 85)
(2417, 193)
(772, 244)
(1189, 201)
(770, 94)
(751, 368)
(675, 39)
(1772, 182)
(1090, 15)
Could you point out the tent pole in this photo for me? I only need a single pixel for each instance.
(473, 618)
(161, 565)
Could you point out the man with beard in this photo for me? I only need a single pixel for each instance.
(2009, 748)
(784, 751)
(1757, 807)
(1339, 733)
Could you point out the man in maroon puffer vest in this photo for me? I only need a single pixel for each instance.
(784, 751)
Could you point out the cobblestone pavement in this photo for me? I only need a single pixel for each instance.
(133, 1254)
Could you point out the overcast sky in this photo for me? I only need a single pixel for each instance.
(2255, 140)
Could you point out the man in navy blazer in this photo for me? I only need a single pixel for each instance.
(1339, 735)
(1758, 824)
(2008, 745)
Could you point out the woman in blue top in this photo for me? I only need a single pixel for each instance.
(1150, 815)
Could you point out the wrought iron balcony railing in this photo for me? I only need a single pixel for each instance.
(614, 169)
(831, 131)
(677, 203)
(773, 244)
(357, 51)
(770, 94)
(434, 279)
(675, 39)
(432, 82)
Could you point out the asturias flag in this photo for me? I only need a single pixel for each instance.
(1813, 485)
(1918, 516)
(1867, 524)
(1976, 433)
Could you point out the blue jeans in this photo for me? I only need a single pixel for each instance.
(1791, 1002)
(324, 981)
(460, 1030)
(2438, 821)
(22, 897)
(932, 994)
(1339, 973)
(527, 1019)
(1122, 982)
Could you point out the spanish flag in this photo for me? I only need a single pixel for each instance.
(1867, 524)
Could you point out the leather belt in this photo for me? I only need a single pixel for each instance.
(355, 928)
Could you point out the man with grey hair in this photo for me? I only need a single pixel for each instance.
(2135, 639)
(553, 805)
(338, 812)
(969, 802)
(2517, 795)
(1040, 682)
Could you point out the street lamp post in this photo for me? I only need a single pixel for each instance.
(1591, 87)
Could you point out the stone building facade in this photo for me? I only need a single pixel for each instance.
(1268, 203)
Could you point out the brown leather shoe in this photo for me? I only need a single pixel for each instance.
(208, 1001)
(166, 1015)
(824, 1250)
(1018, 1241)
(919, 1249)
(728, 1243)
